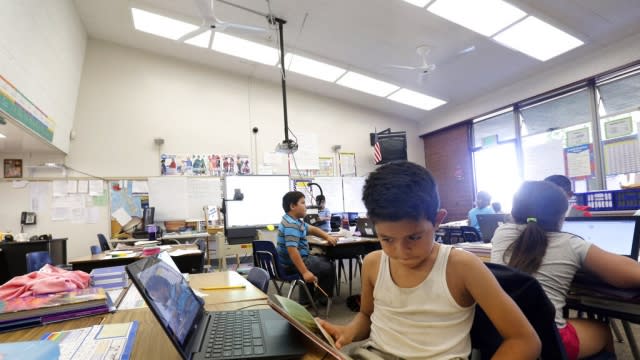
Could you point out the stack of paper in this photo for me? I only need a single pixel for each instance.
(109, 277)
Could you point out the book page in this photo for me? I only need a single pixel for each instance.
(303, 317)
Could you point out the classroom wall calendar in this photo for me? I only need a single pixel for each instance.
(204, 164)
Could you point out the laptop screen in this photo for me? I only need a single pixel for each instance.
(168, 294)
(618, 235)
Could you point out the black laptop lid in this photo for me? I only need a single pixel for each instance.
(366, 228)
(170, 298)
(615, 234)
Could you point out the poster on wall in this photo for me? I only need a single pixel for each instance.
(347, 164)
(325, 166)
(204, 164)
(622, 156)
(578, 160)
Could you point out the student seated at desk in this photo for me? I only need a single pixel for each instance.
(536, 245)
(483, 206)
(293, 247)
(418, 297)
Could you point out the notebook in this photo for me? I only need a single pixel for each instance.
(616, 234)
(199, 334)
(365, 227)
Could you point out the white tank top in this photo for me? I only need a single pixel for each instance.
(423, 322)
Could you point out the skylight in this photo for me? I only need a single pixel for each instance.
(486, 17)
(160, 25)
(537, 39)
(312, 68)
(366, 84)
(245, 49)
(416, 99)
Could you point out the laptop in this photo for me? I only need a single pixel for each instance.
(199, 334)
(615, 234)
(365, 227)
(488, 224)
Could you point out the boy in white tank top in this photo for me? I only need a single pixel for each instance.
(418, 297)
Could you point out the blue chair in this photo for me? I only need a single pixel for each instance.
(265, 256)
(95, 249)
(37, 259)
(104, 244)
(259, 277)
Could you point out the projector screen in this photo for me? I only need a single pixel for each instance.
(262, 202)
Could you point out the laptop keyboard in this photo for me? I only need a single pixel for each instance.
(234, 334)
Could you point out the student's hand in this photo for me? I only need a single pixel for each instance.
(332, 240)
(340, 334)
(309, 277)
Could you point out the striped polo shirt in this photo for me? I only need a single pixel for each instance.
(292, 233)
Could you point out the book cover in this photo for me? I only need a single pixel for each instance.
(301, 315)
(30, 350)
(38, 305)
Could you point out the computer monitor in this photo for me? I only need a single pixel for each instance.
(615, 234)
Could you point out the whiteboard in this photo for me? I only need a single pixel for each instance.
(332, 191)
(262, 203)
(182, 198)
(352, 187)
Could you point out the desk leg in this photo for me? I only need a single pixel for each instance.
(630, 339)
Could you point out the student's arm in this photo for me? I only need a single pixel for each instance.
(321, 234)
(296, 259)
(520, 340)
(619, 271)
(359, 328)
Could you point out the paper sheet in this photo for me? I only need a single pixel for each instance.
(107, 341)
(96, 187)
(72, 186)
(132, 300)
(59, 188)
(121, 216)
(83, 186)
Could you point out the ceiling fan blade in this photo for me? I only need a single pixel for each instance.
(205, 7)
(192, 34)
(402, 67)
(248, 28)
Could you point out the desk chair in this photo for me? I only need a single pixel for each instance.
(259, 277)
(470, 234)
(95, 249)
(104, 244)
(265, 256)
(527, 293)
(37, 259)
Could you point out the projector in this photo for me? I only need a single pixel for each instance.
(287, 147)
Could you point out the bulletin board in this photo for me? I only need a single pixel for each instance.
(182, 198)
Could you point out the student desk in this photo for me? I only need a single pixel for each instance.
(151, 341)
(188, 262)
(347, 248)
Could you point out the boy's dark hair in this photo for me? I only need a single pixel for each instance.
(401, 191)
(540, 205)
(290, 198)
(320, 198)
(562, 181)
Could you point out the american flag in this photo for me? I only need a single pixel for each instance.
(377, 153)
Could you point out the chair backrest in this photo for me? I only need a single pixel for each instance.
(489, 223)
(95, 249)
(265, 256)
(470, 234)
(104, 244)
(527, 293)
(259, 277)
(37, 259)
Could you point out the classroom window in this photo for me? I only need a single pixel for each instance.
(619, 115)
(496, 170)
(498, 127)
(557, 139)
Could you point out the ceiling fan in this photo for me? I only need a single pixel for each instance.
(426, 68)
(211, 22)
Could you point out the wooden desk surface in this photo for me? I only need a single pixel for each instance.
(151, 340)
(105, 255)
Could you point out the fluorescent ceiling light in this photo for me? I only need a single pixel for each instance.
(418, 3)
(537, 39)
(366, 84)
(312, 68)
(249, 50)
(416, 99)
(2, 136)
(160, 25)
(486, 17)
(201, 40)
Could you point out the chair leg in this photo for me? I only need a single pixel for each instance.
(278, 288)
(616, 331)
(311, 300)
(292, 286)
(350, 276)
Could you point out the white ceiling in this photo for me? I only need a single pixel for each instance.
(366, 35)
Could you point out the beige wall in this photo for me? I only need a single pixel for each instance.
(129, 97)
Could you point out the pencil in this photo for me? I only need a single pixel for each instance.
(319, 288)
(224, 287)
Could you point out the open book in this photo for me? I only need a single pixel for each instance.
(299, 316)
